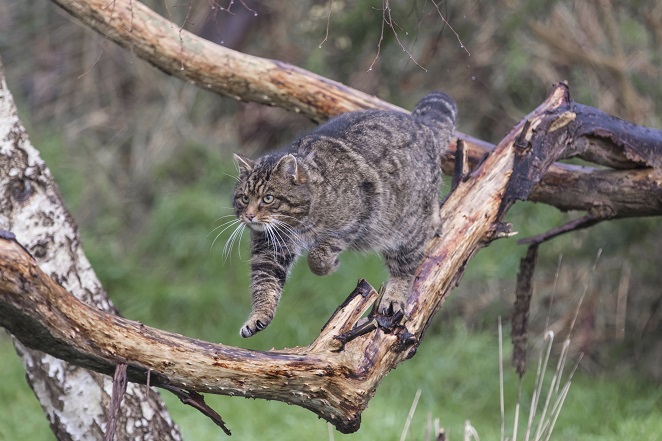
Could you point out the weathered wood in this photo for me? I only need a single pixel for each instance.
(599, 137)
(334, 381)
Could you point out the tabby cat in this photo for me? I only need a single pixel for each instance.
(365, 180)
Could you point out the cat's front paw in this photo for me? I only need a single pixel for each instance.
(391, 303)
(254, 324)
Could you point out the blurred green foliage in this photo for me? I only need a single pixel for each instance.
(144, 163)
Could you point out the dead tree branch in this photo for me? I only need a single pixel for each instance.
(334, 381)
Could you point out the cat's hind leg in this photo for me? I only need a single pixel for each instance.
(402, 265)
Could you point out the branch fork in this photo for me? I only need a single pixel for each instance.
(339, 372)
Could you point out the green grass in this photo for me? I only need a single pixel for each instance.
(457, 371)
(165, 273)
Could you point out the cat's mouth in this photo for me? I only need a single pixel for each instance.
(256, 226)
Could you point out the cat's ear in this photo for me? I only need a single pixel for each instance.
(290, 168)
(243, 164)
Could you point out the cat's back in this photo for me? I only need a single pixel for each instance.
(375, 174)
(363, 145)
(380, 135)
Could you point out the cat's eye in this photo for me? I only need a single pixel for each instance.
(267, 199)
(244, 199)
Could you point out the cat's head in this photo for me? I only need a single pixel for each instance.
(271, 190)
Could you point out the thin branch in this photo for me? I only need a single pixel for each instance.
(119, 389)
(576, 224)
(457, 36)
(392, 24)
(381, 37)
(197, 401)
(328, 23)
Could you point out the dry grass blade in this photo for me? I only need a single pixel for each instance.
(403, 436)
(501, 398)
(470, 432)
(556, 409)
(540, 376)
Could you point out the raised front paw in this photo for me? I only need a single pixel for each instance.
(322, 262)
(391, 303)
(255, 323)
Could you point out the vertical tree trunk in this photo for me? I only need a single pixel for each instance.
(75, 400)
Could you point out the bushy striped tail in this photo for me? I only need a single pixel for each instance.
(438, 111)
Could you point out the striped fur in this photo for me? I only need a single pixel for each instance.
(365, 180)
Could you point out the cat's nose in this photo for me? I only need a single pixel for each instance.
(250, 216)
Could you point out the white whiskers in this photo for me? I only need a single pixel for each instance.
(239, 227)
(281, 237)
(237, 233)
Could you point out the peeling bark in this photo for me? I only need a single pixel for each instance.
(74, 399)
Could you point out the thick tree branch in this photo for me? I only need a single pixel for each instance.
(334, 381)
(182, 54)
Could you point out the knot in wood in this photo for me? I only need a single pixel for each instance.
(21, 190)
(602, 210)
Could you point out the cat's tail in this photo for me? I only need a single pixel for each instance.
(437, 111)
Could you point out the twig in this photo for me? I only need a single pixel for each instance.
(328, 23)
(197, 401)
(381, 38)
(451, 28)
(388, 19)
(585, 221)
(119, 388)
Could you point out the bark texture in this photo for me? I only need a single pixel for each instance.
(74, 399)
(335, 377)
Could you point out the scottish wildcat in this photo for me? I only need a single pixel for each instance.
(365, 180)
